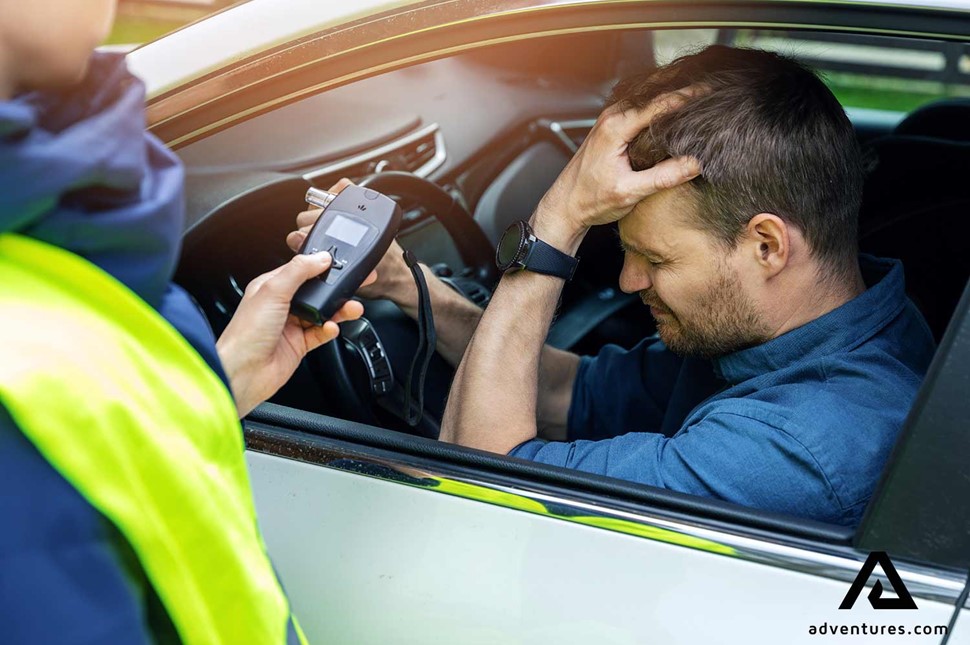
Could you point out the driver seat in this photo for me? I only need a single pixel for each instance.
(916, 208)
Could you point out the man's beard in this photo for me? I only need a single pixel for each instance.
(721, 322)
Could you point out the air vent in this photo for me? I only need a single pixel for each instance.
(470, 289)
(421, 152)
(418, 154)
(479, 295)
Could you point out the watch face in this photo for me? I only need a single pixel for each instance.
(509, 246)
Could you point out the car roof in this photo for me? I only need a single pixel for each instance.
(240, 31)
(249, 28)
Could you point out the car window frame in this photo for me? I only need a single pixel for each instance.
(267, 80)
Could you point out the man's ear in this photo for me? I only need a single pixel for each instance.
(769, 241)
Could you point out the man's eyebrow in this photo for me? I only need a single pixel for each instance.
(627, 246)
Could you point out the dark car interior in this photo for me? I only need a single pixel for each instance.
(481, 136)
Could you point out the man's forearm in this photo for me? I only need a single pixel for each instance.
(455, 316)
(493, 403)
(456, 319)
(494, 399)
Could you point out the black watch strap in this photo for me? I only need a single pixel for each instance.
(547, 259)
(519, 248)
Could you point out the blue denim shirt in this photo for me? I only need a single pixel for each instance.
(801, 425)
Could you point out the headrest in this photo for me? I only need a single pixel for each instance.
(943, 119)
(912, 173)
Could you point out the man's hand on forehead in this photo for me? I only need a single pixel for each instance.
(599, 186)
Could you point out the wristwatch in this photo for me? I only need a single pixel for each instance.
(519, 248)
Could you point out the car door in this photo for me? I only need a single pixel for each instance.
(388, 539)
(384, 538)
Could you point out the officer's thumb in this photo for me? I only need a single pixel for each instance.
(283, 286)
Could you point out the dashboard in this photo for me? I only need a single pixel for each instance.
(494, 127)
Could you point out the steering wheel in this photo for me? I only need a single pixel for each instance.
(343, 364)
(473, 246)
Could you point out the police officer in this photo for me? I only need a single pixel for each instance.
(125, 507)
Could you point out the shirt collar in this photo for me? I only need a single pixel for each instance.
(840, 329)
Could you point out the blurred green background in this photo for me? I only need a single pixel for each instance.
(887, 93)
(132, 30)
(140, 21)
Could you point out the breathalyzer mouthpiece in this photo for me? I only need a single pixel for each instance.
(319, 198)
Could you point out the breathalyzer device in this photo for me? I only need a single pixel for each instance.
(356, 227)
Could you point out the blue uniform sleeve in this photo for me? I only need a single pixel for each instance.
(622, 390)
(749, 459)
(181, 311)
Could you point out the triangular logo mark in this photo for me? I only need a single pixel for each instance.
(904, 600)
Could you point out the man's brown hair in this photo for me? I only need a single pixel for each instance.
(770, 137)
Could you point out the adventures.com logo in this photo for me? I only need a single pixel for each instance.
(903, 600)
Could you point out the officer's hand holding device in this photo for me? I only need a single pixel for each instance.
(356, 227)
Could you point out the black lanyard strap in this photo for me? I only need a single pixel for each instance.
(427, 341)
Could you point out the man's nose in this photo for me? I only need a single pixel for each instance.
(633, 278)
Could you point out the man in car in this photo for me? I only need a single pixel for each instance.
(784, 363)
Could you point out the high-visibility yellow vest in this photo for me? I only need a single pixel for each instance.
(120, 404)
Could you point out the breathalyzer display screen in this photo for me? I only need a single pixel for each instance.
(346, 230)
